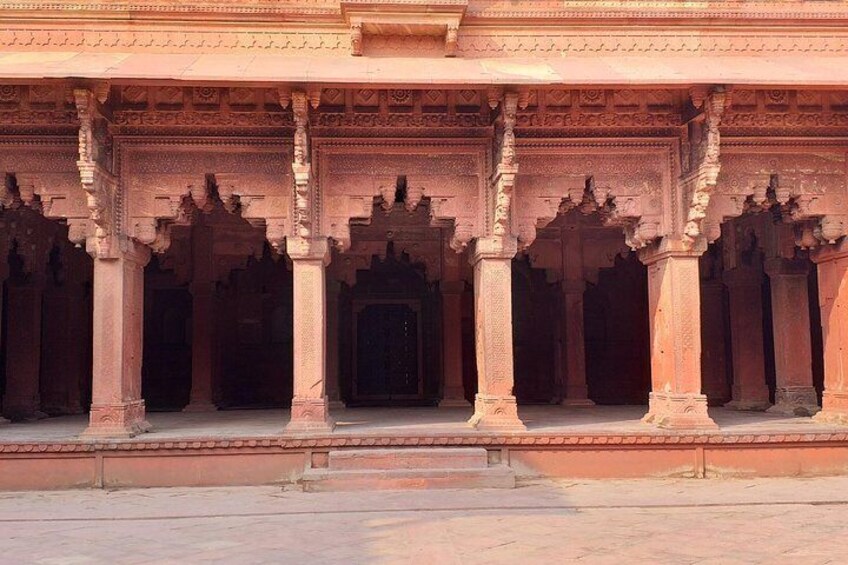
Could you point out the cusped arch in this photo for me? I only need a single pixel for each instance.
(452, 175)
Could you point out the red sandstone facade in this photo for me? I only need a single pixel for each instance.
(454, 202)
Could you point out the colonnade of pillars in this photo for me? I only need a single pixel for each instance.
(676, 398)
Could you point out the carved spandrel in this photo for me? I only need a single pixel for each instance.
(353, 174)
(805, 183)
(625, 182)
(254, 179)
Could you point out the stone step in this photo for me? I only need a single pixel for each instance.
(409, 458)
(323, 480)
(411, 468)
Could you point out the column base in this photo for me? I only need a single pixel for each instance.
(496, 413)
(834, 408)
(336, 404)
(454, 403)
(795, 401)
(678, 411)
(748, 405)
(117, 420)
(576, 402)
(20, 414)
(310, 415)
(200, 407)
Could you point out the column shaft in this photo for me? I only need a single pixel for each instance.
(495, 407)
(714, 373)
(833, 299)
(203, 343)
(310, 411)
(575, 390)
(454, 391)
(117, 409)
(744, 286)
(794, 393)
(333, 384)
(674, 305)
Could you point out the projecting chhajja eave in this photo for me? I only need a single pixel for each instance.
(649, 70)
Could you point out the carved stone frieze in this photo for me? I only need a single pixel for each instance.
(46, 179)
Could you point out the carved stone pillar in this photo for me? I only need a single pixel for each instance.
(333, 387)
(794, 393)
(23, 349)
(117, 409)
(310, 411)
(495, 407)
(454, 391)
(833, 301)
(4, 274)
(65, 342)
(674, 307)
(203, 346)
(713, 351)
(575, 391)
(744, 287)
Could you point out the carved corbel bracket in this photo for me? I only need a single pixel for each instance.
(303, 208)
(415, 17)
(506, 169)
(700, 182)
(98, 182)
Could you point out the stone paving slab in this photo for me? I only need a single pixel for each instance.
(647, 521)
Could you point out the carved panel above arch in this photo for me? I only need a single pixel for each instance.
(351, 174)
(253, 178)
(806, 180)
(629, 182)
(47, 179)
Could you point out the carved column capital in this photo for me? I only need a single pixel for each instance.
(826, 253)
(494, 248)
(777, 266)
(671, 247)
(308, 249)
(742, 276)
(576, 286)
(452, 287)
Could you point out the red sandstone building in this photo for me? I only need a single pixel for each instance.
(481, 223)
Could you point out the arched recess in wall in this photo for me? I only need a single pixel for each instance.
(217, 310)
(388, 317)
(45, 345)
(586, 266)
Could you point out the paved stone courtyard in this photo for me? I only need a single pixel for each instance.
(621, 522)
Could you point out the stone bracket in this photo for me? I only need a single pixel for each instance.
(403, 18)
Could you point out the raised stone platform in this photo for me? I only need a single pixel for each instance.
(250, 447)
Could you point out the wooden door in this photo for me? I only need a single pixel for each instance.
(388, 350)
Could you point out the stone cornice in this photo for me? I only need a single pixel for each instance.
(703, 13)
